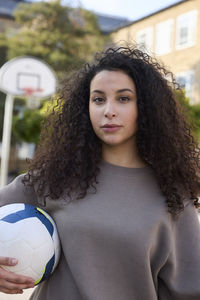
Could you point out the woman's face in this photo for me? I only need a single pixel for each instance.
(113, 107)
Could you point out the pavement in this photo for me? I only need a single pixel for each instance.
(24, 296)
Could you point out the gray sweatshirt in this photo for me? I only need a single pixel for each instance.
(120, 243)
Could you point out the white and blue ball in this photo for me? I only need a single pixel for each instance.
(29, 234)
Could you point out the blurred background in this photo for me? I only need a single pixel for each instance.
(66, 34)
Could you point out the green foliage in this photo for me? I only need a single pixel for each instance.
(62, 36)
(3, 49)
(2, 108)
(18, 105)
(191, 112)
(27, 128)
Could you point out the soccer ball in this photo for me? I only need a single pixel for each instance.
(29, 234)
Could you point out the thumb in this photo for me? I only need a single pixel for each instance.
(8, 261)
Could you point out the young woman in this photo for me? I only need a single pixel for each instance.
(118, 170)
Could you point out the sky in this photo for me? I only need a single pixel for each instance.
(129, 9)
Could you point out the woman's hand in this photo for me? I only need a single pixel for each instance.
(10, 282)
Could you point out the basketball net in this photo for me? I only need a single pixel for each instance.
(33, 101)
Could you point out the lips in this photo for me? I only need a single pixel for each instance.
(110, 126)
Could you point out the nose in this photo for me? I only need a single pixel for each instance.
(110, 111)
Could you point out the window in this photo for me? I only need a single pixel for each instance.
(26, 150)
(186, 80)
(164, 37)
(186, 29)
(144, 39)
(183, 35)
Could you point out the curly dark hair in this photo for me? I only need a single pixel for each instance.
(68, 155)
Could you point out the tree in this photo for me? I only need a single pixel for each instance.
(62, 36)
(27, 128)
(191, 112)
(3, 49)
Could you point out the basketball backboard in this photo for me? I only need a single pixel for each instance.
(27, 76)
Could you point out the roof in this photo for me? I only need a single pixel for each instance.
(109, 23)
(7, 7)
(154, 13)
(106, 23)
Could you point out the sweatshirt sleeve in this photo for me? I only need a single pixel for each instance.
(179, 278)
(17, 192)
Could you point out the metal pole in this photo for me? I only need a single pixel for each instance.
(5, 151)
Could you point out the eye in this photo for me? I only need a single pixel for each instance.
(124, 99)
(98, 100)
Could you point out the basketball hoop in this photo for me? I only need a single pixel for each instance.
(22, 76)
(33, 101)
(25, 74)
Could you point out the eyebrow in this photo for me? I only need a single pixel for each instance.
(118, 91)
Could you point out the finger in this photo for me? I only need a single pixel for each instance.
(8, 261)
(13, 277)
(6, 291)
(17, 279)
(4, 284)
(13, 281)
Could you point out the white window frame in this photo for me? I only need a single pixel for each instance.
(164, 31)
(189, 83)
(186, 21)
(148, 32)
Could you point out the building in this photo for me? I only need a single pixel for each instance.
(171, 34)
(6, 13)
(106, 23)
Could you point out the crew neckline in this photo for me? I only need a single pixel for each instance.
(123, 170)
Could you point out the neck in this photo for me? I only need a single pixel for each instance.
(122, 155)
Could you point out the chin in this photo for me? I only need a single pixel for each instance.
(112, 142)
(116, 140)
